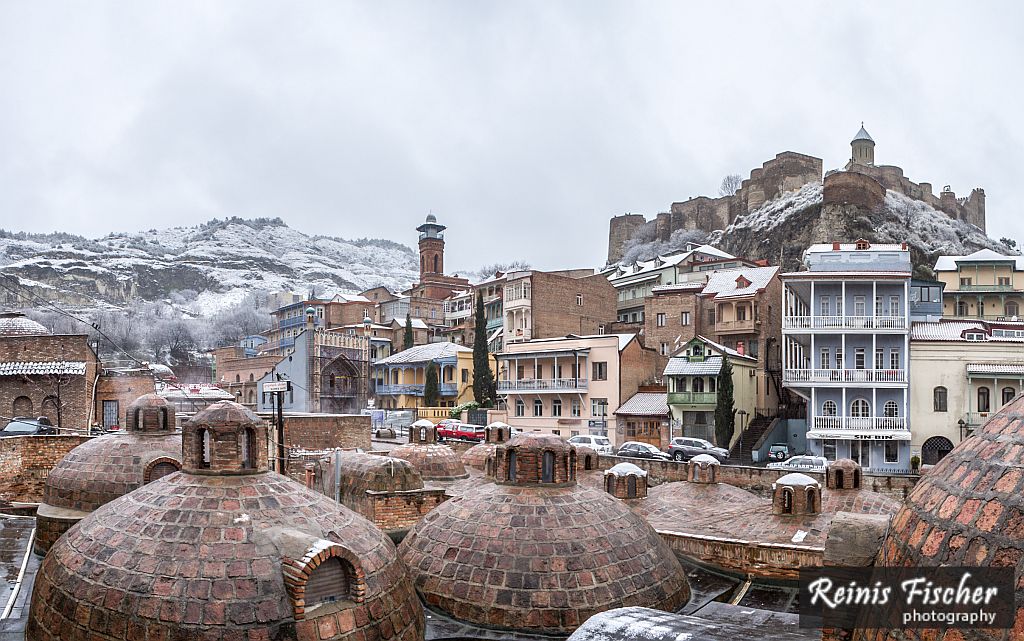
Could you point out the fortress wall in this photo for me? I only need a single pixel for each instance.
(852, 188)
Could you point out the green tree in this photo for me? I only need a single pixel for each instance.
(407, 336)
(725, 412)
(483, 378)
(430, 391)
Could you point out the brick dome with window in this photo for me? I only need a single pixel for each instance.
(224, 549)
(968, 510)
(796, 494)
(494, 434)
(536, 552)
(434, 461)
(626, 481)
(108, 467)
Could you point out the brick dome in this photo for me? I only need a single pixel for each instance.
(539, 556)
(17, 324)
(476, 456)
(435, 462)
(108, 467)
(361, 472)
(221, 554)
(967, 510)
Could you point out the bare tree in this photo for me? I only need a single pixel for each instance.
(730, 185)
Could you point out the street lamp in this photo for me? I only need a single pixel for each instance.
(743, 424)
(963, 428)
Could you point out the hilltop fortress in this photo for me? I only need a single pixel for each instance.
(861, 182)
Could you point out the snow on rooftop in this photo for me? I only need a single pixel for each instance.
(744, 281)
(949, 263)
(625, 469)
(424, 353)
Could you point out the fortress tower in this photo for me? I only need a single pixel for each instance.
(431, 247)
(863, 146)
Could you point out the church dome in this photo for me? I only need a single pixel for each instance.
(431, 218)
(17, 324)
(535, 551)
(968, 510)
(108, 467)
(224, 549)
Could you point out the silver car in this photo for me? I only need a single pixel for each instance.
(801, 464)
(601, 444)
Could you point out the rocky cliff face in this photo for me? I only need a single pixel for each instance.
(204, 268)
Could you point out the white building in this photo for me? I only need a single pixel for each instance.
(845, 351)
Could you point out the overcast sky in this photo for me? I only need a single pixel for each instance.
(523, 126)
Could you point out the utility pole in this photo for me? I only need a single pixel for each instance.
(278, 388)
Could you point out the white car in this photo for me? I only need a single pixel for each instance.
(801, 463)
(600, 444)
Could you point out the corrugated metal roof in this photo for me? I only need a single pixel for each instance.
(645, 404)
(44, 368)
(723, 284)
(1016, 369)
(679, 366)
(424, 353)
(824, 275)
(943, 330)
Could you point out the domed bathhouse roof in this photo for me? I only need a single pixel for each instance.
(625, 481)
(494, 434)
(435, 462)
(535, 552)
(967, 510)
(224, 549)
(108, 467)
(17, 324)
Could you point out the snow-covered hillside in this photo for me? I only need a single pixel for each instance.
(204, 268)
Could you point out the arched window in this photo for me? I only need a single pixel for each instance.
(939, 399)
(630, 487)
(934, 449)
(572, 466)
(251, 378)
(698, 384)
(1012, 308)
(1008, 394)
(500, 436)
(711, 383)
(423, 263)
(547, 473)
(811, 503)
(22, 406)
(787, 501)
(829, 408)
(165, 419)
(890, 409)
(984, 404)
(962, 309)
(860, 408)
(332, 381)
(839, 479)
(423, 435)
(489, 464)
(436, 263)
(248, 448)
(160, 470)
(238, 378)
(609, 483)
(203, 443)
(856, 479)
(588, 462)
(329, 582)
(511, 466)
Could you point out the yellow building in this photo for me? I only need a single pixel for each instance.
(400, 379)
(984, 285)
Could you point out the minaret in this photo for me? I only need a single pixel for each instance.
(431, 247)
(863, 147)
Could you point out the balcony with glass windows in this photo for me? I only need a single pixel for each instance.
(693, 398)
(444, 389)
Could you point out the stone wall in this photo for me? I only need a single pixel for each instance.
(851, 188)
(25, 461)
(323, 431)
(391, 511)
(758, 479)
(765, 560)
(621, 229)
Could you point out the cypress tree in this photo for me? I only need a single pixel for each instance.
(430, 391)
(483, 378)
(725, 413)
(407, 337)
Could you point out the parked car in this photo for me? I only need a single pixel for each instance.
(448, 428)
(24, 426)
(635, 449)
(801, 464)
(778, 452)
(684, 448)
(469, 432)
(601, 444)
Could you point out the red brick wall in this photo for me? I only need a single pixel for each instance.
(401, 510)
(75, 395)
(554, 309)
(25, 461)
(637, 364)
(124, 390)
(323, 431)
(672, 305)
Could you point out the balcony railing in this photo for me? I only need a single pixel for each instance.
(444, 389)
(520, 334)
(544, 385)
(745, 325)
(692, 398)
(881, 423)
(844, 322)
(844, 376)
(981, 288)
(977, 419)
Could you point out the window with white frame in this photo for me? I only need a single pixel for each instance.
(829, 408)
(894, 359)
(520, 407)
(879, 358)
(839, 305)
(538, 407)
(892, 452)
(839, 358)
(878, 305)
(829, 446)
(574, 407)
(579, 300)
(825, 302)
(858, 358)
(684, 318)
(890, 409)
(556, 407)
(664, 349)
(823, 363)
(860, 408)
(859, 306)
(599, 407)
(894, 306)
(659, 319)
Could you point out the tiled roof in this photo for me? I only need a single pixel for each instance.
(1016, 369)
(665, 261)
(32, 368)
(949, 263)
(424, 353)
(943, 330)
(645, 404)
(725, 350)
(679, 366)
(723, 283)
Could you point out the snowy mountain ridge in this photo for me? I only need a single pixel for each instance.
(204, 268)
